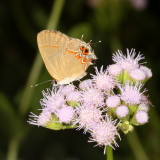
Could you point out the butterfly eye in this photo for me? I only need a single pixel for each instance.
(86, 51)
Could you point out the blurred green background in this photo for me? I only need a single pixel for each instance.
(119, 24)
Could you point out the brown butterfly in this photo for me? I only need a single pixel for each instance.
(65, 58)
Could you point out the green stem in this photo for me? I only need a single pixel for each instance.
(136, 146)
(13, 148)
(37, 66)
(109, 153)
(15, 142)
(34, 74)
(28, 91)
(55, 14)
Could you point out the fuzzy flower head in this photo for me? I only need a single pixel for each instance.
(141, 117)
(128, 62)
(122, 111)
(147, 71)
(67, 89)
(113, 101)
(131, 94)
(41, 120)
(66, 114)
(92, 96)
(114, 69)
(104, 133)
(103, 80)
(143, 107)
(73, 96)
(86, 84)
(137, 74)
(112, 93)
(52, 99)
(88, 116)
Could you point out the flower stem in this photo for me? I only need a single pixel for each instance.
(33, 76)
(136, 146)
(15, 141)
(13, 148)
(109, 153)
(37, 66)
(55, 14)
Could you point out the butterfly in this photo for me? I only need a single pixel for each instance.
(65, 58)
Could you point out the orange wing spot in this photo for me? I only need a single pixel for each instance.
(85, 52)
(84, 60)
(69, 51)
(78, 56)
(49, 46)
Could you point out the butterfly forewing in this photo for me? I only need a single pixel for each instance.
(52, 45)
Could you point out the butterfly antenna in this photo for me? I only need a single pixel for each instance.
(42, 83)
(90, 41)
(93, 43)
(82, 37)
(97, 42)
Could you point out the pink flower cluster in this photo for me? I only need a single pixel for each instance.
(112, 100)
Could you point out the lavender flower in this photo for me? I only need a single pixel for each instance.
(143, 107)
(141, 117)
(86, 84)
(88, 116)
(92, 96)
(131, 94)
(53, 99)
(128, 62)
(103, 80)
(67, 89)
(147, 71)
(122, 111)
(66, 114)
(41, 120)
(137, 74)
(73, 96)
(104, 133)
(112, 94)
(114, 69)
(113, 101)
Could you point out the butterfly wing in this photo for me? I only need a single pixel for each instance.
(72, 66)
(61, 56)
(52, 45)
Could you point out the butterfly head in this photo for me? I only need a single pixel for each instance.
(88, 53)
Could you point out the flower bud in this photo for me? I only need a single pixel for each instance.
(126, 127)
(140, 118)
